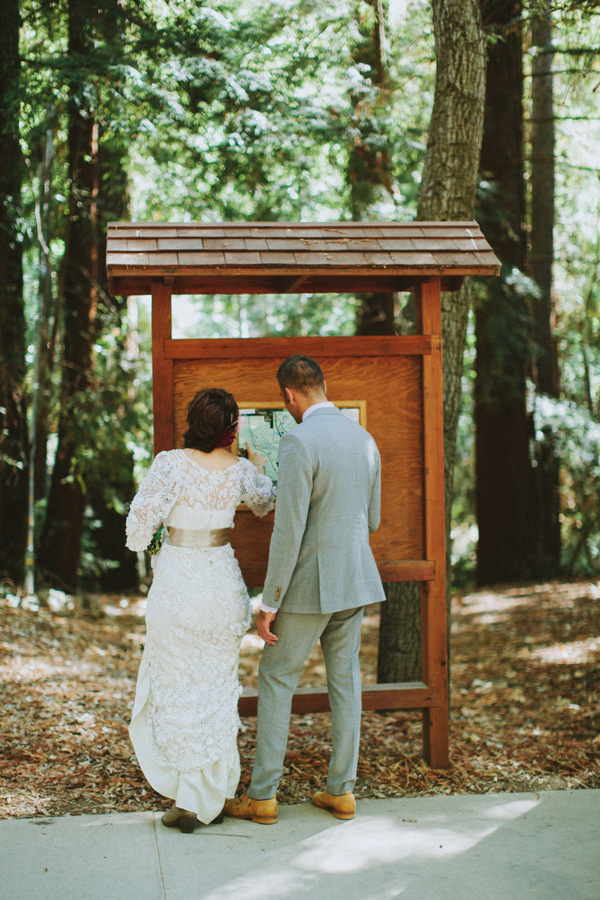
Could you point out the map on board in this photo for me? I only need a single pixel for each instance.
(262, 429)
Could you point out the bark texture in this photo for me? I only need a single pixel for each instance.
(13, 423)
(541, 259)
(97, 194)
(449, 182)
(447, 192)
(60, 549)
(504, 475)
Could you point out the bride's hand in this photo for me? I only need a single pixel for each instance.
(257, 459)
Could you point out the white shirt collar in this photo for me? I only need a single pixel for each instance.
(312, 408)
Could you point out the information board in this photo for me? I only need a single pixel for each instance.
(263, 425)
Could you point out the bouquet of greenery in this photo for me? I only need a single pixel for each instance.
(157, 540)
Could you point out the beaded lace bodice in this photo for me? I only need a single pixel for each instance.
(179, 492)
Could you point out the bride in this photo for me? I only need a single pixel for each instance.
(185, 719)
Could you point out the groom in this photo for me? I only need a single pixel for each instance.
(321, 573)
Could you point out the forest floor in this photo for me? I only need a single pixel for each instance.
(525, 706)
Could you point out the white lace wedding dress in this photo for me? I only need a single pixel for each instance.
(185, 720)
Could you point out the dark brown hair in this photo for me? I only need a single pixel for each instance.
(210, 414)
(303, 373)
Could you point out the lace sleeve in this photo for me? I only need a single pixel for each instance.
(258, 491)
(152, 503)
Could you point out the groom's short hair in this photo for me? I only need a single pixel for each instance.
(303, 373)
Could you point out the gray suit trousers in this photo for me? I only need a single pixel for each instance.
(278, 675)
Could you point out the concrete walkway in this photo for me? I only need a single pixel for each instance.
(473, 847)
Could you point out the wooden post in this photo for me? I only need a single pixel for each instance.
(162, 368)
(433, 593)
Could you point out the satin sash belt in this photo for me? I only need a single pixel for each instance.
(198, 538)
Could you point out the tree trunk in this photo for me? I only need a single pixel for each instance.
(117, 477)
(399, 657)
(98, 193)
(61, 539)
(447, 192)
(13, 422)
(545, 368)
(504, 475)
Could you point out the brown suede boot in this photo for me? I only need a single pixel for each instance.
(343, 806)
(264, 812)
(186, 820)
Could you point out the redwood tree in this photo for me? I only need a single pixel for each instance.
(369, 168)
(13, 423)
(447, 192)
(83, 293)
(544, 363)
(504, 474)
(516, 494)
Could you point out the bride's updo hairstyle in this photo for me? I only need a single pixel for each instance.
(212, 420)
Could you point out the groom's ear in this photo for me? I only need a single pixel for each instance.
(288, 395)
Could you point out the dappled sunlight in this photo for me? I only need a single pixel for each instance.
(36, 670)
(369, 843)
(566, 590)
(26, 803)
(259, 885)
(524, 698)
(374, 841)
(510, 810)
(572, 652)
(494, 605)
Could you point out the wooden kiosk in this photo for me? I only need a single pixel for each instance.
(395, 381)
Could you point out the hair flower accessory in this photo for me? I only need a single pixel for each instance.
(228, 436)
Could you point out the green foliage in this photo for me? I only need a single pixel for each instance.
(252, 110)
(572, 419)
(576, 438)
(290, 99)
(463, 521)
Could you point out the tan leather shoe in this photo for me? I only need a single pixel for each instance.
(186, 820)
(343, 806)
(264, 812)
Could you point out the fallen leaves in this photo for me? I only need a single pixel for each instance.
(525, 712)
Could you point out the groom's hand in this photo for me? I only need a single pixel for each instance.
(263, 625)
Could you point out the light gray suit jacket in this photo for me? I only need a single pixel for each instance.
(328, 499)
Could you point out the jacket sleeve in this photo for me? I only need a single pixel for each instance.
(152, 503)
(294, 489)
(375, 499)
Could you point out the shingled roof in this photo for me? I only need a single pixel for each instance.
(266, 257)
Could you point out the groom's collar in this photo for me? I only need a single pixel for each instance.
(315, 406)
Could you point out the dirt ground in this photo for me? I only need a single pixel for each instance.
(525, 710)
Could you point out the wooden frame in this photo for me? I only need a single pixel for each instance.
(360, 405)
(398, 377)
